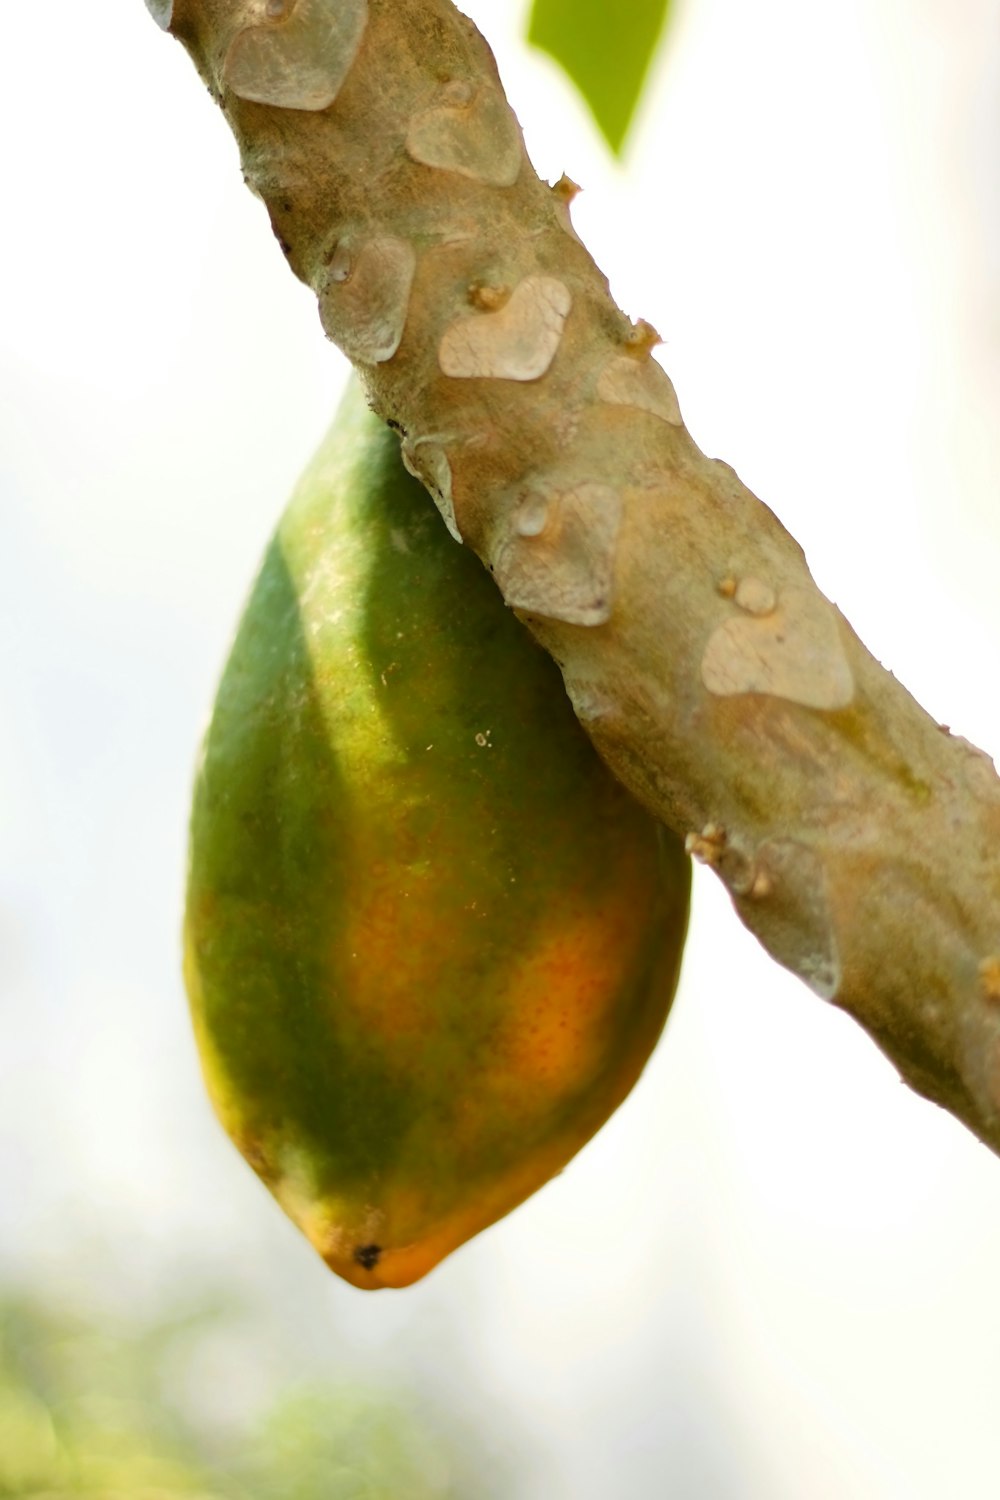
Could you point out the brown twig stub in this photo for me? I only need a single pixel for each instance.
(714, 677)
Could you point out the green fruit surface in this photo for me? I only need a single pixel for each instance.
(430, 941)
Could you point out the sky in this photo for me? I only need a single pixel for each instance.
(773, 1273)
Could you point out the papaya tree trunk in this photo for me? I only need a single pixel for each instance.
(858, 838)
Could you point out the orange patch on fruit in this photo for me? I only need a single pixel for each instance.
(563, 989)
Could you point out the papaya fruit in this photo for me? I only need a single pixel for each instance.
(430, 941)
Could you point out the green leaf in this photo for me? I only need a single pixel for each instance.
(605, 46)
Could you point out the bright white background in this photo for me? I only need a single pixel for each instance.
(774, 1275)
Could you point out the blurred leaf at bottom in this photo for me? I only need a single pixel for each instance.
(88, 1410)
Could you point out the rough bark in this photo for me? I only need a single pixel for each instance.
(858, 839)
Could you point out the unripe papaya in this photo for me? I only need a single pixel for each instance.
(430, 941)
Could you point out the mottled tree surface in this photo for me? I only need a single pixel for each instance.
(856, 836)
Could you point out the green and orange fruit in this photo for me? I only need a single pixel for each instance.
(430, 941)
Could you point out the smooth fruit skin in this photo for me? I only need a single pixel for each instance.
(430, 941)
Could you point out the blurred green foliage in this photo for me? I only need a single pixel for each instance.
(88, 1410)
(606, 47)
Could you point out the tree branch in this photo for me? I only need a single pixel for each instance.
(858, 839)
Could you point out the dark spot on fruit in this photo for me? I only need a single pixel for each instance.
(368, 1256)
